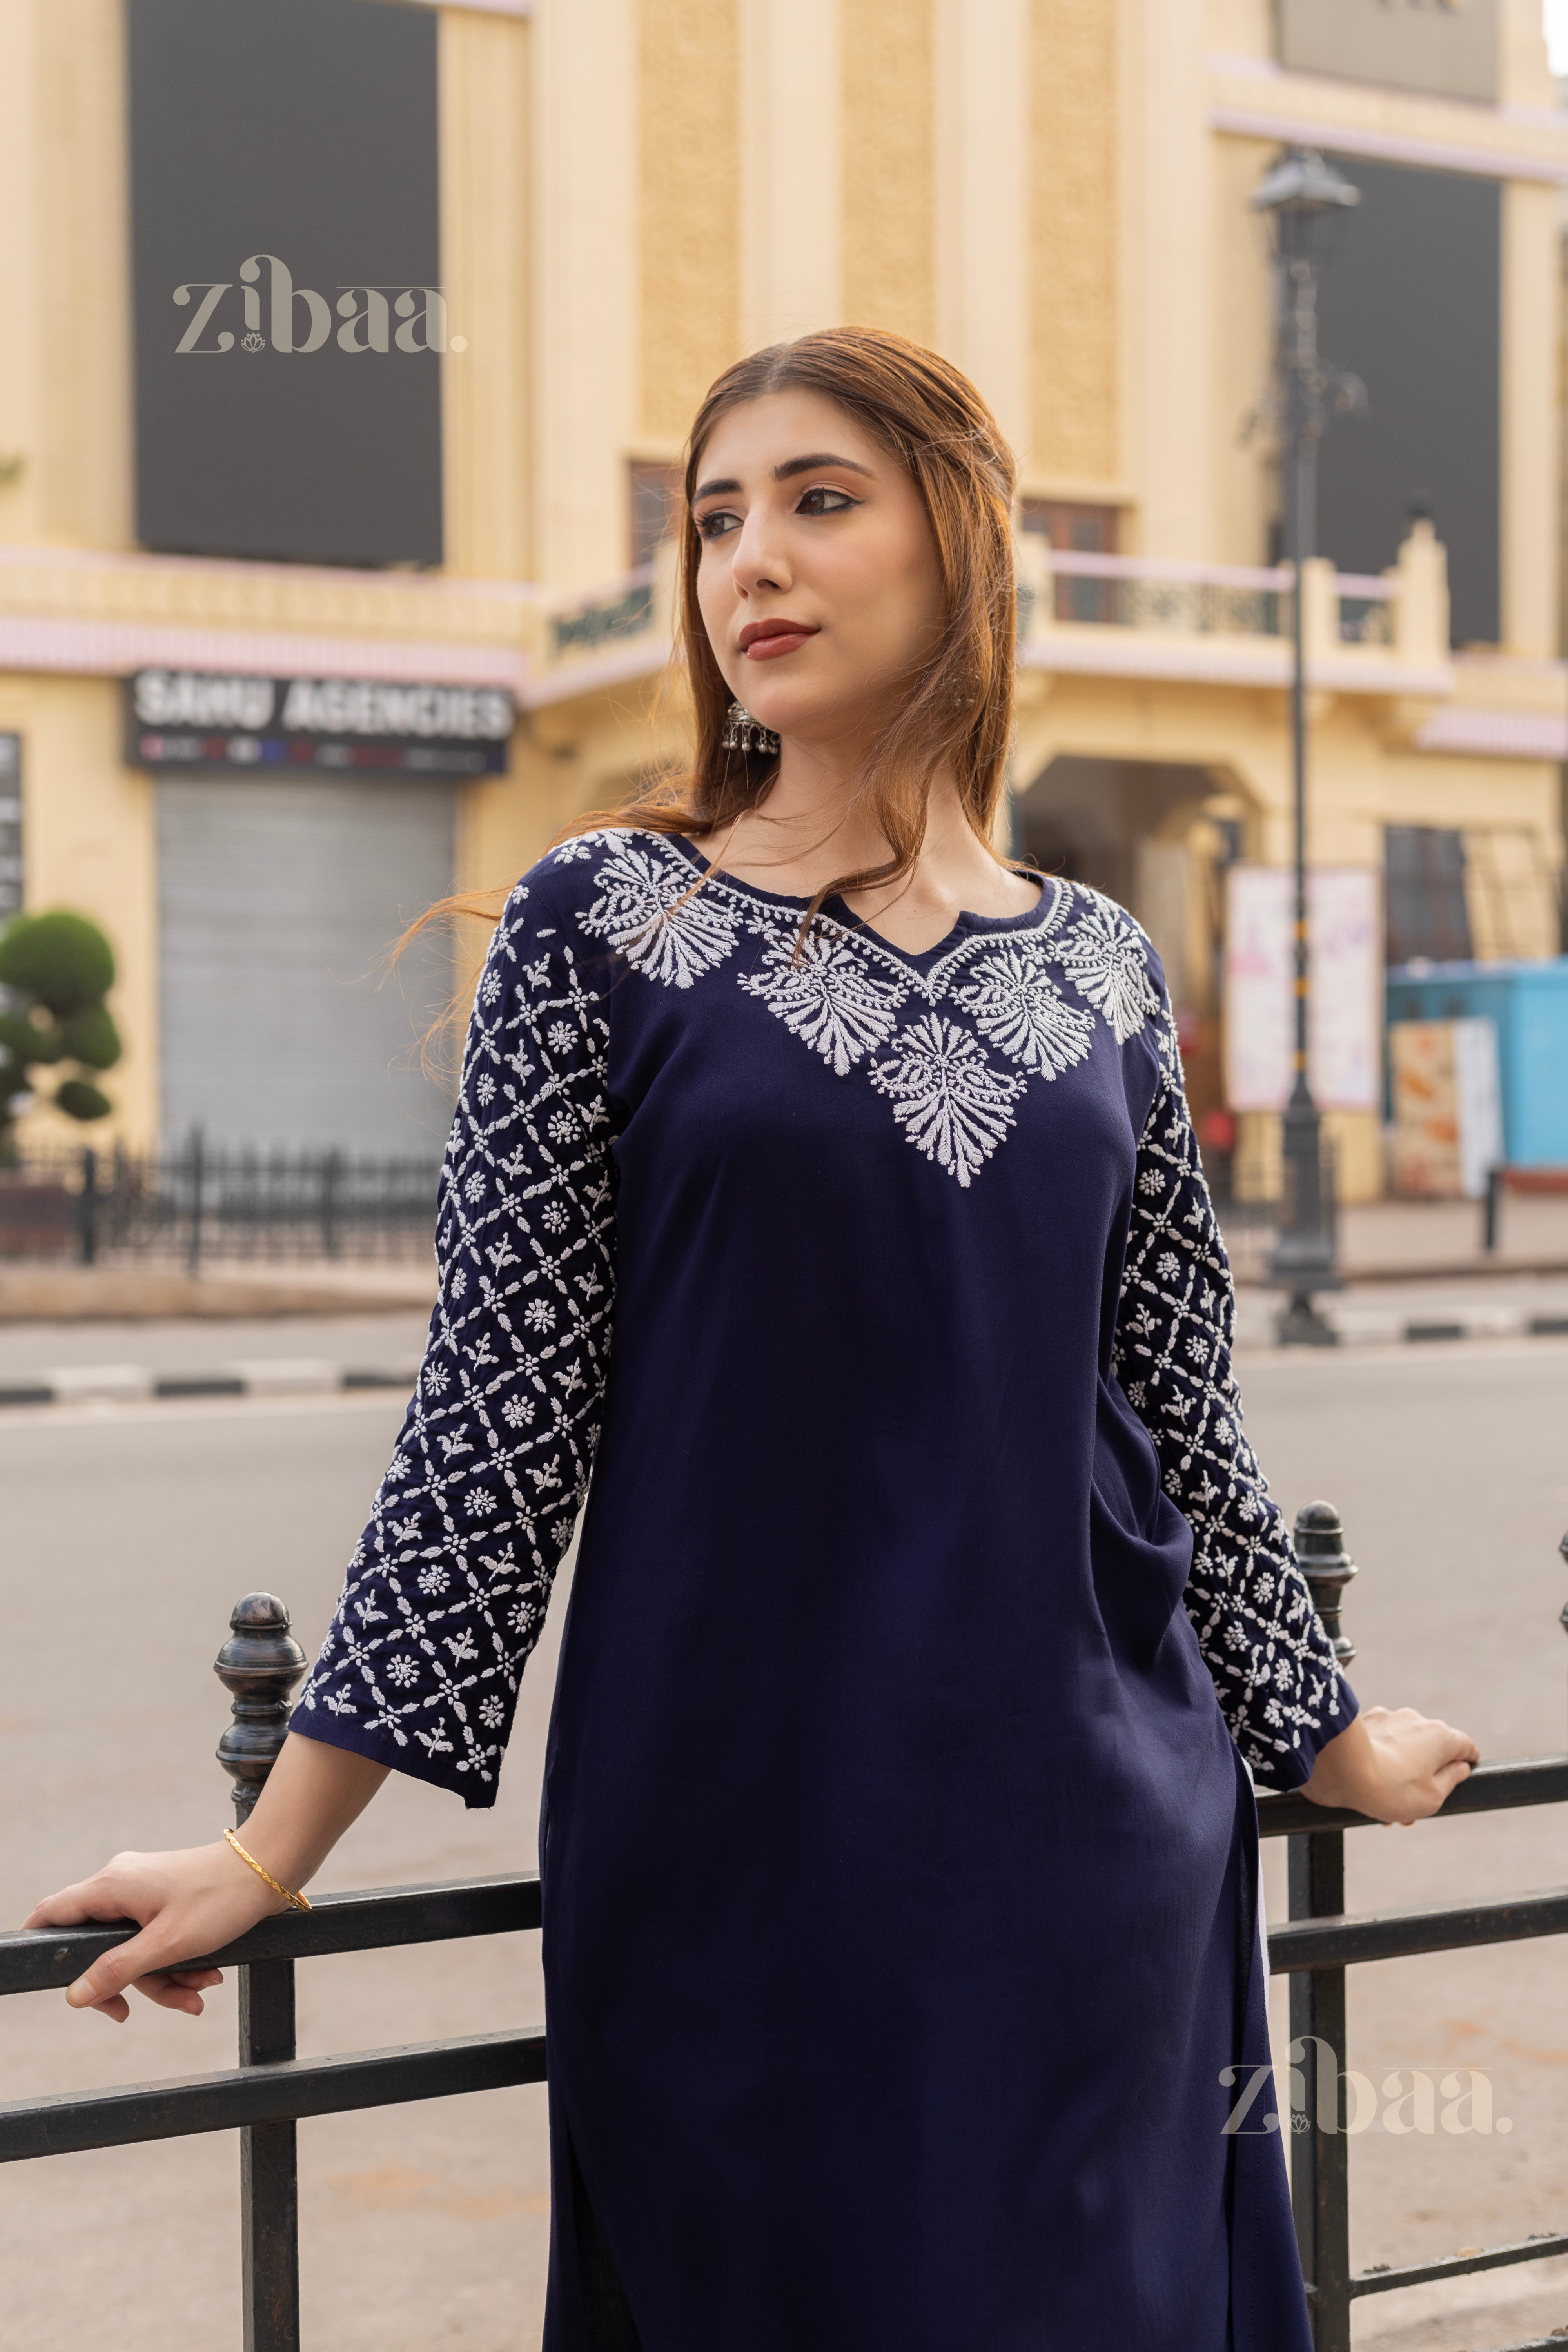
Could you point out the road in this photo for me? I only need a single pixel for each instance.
(133, 1529)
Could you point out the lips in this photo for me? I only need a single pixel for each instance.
(765, 640)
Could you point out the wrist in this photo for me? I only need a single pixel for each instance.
(282, 1893)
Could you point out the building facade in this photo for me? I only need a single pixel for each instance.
(559, 222)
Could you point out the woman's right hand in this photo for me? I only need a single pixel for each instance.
(186, 1903)
(203, 1899)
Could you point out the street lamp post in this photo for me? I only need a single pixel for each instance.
(1301, 196)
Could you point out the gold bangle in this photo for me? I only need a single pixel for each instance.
(295, 1902)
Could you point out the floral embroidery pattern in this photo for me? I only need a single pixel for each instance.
(1260, 1636)
(1020, 1008)
(949, 1101)
(1104, 962)
(447, 1591)
(840, 990)
(648, 910)
(826, 997)
(445, 1595)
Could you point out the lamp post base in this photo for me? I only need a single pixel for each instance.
(1303, 1260)
(1302, 1326)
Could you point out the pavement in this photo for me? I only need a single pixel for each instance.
(134, 1526)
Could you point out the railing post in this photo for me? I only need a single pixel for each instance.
(193, 1254)
(332, 1174)
(1320, 2153)
(260, 1663)
(87, 1211)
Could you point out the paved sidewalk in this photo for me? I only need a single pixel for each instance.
(1375, 1314)
(1429, 1240)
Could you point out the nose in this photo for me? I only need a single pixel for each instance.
(761, 564)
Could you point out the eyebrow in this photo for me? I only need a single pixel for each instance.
(792, 466)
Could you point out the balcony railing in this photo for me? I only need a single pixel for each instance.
(1122, 614)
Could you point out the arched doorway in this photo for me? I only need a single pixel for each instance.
(1156, 836)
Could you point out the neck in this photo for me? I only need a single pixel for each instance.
(815, 815)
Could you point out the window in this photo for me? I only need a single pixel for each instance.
(1425, 914)
(1082, 530)
(654, 493)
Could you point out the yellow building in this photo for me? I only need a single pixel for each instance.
(630, 193)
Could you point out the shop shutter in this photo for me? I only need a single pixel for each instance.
(278, 902)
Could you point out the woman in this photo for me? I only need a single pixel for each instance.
(822, 1204)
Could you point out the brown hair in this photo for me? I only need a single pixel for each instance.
(959, 711)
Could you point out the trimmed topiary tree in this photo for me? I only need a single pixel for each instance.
(55, 971)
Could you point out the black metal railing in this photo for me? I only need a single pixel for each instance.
(201, 1201)
(271, 2091)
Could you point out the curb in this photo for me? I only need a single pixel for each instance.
(135, 1383)
(1371, 1331)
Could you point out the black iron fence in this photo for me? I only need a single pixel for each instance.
(271, 2091)
(201, 1201)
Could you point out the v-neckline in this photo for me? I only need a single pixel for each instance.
(966, 927)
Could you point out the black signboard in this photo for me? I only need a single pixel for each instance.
(288, 316)
(1412, 302)
(206, 722)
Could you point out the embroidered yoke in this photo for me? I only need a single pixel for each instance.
(929, 1595)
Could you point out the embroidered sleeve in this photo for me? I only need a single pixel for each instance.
(1280, 1687)
(447, 1589)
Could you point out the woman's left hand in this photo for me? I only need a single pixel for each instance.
(1391, 1764)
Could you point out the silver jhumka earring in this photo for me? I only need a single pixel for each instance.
(744, 733)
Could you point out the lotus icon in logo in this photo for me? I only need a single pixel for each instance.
(252, 342)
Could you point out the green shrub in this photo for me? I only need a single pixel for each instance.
(55, 972)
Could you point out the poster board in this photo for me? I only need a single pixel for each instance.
(1344, 1028)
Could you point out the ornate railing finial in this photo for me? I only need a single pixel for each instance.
(259, 1664)
(1326, 1567)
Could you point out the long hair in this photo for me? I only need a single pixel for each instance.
(958, 710)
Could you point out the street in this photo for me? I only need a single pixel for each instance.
(134, 1528)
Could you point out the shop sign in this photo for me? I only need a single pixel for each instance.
(208, 722)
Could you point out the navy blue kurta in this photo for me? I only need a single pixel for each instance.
(899, 1898)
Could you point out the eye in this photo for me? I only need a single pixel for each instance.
(717, 523)
(824, 499)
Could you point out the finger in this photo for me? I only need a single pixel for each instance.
(74, 1907)
(109, 1976)
(1448, 1777)
(116, 2008)
(170, 1992)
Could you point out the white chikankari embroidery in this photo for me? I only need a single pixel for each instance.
(827, 997)
(840, 990)
(447, 1588)
(1261, 1639)
(1104, 960)
(947, 1098)
(649, 909)
(447, 1591)
(1019, 1007)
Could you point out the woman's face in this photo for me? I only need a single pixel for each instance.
(818, 582)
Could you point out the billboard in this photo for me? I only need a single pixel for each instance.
(288, 317)
(1344, 1008)
(1411, 301)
